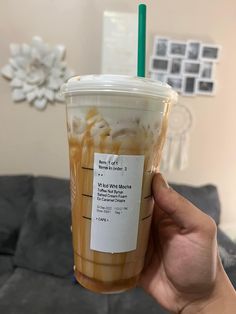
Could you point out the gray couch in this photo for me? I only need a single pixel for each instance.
(36, 258)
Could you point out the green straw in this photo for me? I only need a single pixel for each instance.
(141, 40)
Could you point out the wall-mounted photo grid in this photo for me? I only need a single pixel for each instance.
(187, 66)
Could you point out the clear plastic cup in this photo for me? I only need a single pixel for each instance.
(116, 131)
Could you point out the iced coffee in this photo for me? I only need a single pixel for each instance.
(116, 132)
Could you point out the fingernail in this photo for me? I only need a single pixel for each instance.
(162, 181)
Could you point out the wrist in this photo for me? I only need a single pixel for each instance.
(221, 299)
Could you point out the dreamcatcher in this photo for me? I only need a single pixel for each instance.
(175, 152)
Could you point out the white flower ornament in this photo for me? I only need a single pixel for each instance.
(36, 72)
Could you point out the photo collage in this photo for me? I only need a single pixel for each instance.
(187, 66)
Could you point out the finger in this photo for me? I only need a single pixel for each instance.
(183, 212)
(158, 217)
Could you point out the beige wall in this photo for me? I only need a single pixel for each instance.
(35, 142)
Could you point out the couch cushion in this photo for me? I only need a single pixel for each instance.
(227, 250)
(35, 293)
(15, 198)
(6, 264)
(45, 242)
(226, 242)
(204, 197)
(4, 278)
(134, 301)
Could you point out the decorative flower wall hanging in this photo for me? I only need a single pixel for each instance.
(36, 72)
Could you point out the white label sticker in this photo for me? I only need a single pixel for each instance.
(117, 185)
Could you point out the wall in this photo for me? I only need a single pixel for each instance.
(35, 142)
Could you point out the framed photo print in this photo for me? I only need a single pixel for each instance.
(176, 82)
(193, 50)
(177, 49)
(162, 77)
(207, 69)
(191, 68)
(189, 86)
(187, 66)
(210, 52)
(205, 87)
(160, 46)
(159, 64)
(176, 66)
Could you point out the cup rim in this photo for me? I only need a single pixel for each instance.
(118, 84)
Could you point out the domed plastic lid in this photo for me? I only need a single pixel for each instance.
(118, 84)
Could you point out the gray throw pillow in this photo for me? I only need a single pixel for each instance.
(45, 242)
(204, 197)
(15, 198)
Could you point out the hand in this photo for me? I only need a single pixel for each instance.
(182, 270)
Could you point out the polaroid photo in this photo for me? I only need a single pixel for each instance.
(191, 68)
(193, 50)
(162, 77)
(178, 49)
(176, 82)
(210, 52)
(207, 70)
(161, 45)
(189, 86)
(158, 64)
(205, 87)
(176, 66)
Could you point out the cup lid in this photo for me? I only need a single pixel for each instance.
(118, 84)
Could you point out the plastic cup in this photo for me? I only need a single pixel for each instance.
(116, 131)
